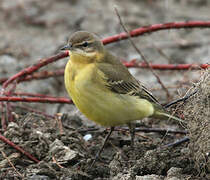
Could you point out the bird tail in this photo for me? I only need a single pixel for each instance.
(165, 115)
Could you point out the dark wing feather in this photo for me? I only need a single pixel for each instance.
(119, 80)
(131, 88)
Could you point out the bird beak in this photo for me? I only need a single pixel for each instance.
(66, 47)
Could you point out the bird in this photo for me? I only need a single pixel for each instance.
(103, 89)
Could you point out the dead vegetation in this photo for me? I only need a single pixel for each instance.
(197, 113)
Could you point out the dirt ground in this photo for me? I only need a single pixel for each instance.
(30, 30)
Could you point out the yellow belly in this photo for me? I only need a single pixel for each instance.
(98, 103)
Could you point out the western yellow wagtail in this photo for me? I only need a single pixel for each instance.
(103, 89)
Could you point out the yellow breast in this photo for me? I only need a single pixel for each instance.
(87, 89)
(79, 80)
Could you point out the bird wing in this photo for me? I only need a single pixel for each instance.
(119, 80)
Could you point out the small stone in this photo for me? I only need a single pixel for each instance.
(62, 153)
(174, 178)
(13, 125)
(185, 151)
(174, 171)
(38, 177)
(87, 137)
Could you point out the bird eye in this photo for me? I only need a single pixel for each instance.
(85, 44)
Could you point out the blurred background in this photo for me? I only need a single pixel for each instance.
(35, 29)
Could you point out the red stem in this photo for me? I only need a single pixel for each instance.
(38, 75)
(156, 27)
(33, 95)
(130, 64)
(42, 75)
(115, 38)
(7, 141)
(35, 99)
(27, 108)
(133, 63)
(35, 67)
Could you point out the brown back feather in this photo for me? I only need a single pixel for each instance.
(119, 79)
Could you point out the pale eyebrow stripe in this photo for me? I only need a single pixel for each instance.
(77, 44)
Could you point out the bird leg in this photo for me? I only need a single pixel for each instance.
(105, 141)
(132, 133)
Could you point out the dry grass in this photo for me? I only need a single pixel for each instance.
(197, 112)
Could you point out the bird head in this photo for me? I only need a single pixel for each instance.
(85, 46)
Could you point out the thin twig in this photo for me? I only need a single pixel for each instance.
(141, 55)
(158, 130)
(58, 119)
(3, 116)
(11, 164)
(160, 51)
(56, 162)
(187, 96)
(139, 129)
(176, 143)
